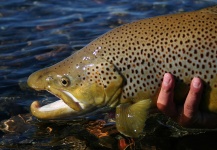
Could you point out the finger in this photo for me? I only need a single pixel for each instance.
(192, 102)
(165, 99)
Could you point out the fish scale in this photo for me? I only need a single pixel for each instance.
(144, 50)
(124, 68)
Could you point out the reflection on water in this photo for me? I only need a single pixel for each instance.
(36, 34)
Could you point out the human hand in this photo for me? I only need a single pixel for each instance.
(188, 115)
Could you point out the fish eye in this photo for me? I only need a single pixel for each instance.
(65, 81)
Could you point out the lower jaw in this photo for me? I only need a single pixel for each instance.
(55, 110)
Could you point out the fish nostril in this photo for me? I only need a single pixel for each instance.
(40, 76)
(49, 78)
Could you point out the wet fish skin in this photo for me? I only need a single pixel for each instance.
(124, 68)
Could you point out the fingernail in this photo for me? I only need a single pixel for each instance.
(196, 82)
(166, 79)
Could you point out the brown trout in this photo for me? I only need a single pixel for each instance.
(123, 69)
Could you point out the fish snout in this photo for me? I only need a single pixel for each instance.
(36, 81)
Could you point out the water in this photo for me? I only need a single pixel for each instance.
(36, 34)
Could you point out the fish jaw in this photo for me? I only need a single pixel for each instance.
(67, 98)
(59, 109)
(45, 79)
(54, 110)
(67, 106)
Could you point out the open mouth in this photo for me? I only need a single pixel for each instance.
(68, 105)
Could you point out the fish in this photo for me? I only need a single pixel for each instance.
(123, 69)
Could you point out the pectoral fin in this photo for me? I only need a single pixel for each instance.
(130, 118)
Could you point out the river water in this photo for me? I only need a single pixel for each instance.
(36, 34)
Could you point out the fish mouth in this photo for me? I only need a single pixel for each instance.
(67, 106)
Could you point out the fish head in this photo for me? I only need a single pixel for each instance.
(81, 81)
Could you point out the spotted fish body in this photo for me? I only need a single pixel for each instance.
(124, 68)
(143, 51)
